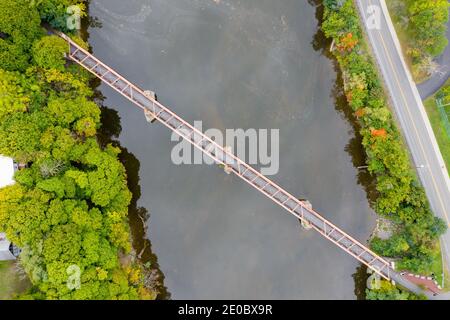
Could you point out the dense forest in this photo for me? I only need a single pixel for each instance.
(414, 243)
(424, 25)
(68, 209)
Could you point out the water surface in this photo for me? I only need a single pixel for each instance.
(237, 64)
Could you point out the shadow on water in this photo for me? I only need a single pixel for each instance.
(360, 277)
(354, 147)
(138, 217)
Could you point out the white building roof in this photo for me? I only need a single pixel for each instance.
(4, 243)
(5, 254)
(6, 179)
(6, 171)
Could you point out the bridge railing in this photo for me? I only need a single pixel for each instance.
(225, 157)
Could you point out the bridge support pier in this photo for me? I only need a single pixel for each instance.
(305, 224)
(150, 94)
(149, 116)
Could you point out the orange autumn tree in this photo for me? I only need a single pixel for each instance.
(360, 112)
(347, 42)
(378, 133)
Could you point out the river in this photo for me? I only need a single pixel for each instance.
(237, 64)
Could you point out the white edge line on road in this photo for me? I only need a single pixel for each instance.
(416, 94)
(424, 115)
(406, 106)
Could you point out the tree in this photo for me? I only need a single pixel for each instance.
(51, 167)
(444, 94)
(343, 20)
(20, 26)
(395, 246)
(356, 88)
(80, 113)
(430, 67)
(55, 12)
(399, 196)
(71, 85)
(12, 96)
(347, 43)
(427, 24)
(19, 136)
(69, 206)
(387, 291)
(333, 4)
(49, 51)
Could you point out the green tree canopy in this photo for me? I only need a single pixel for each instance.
(19, 27)
(48, 52)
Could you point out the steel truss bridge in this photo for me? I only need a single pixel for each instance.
(302, 210)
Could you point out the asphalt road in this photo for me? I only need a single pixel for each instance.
(411, 115)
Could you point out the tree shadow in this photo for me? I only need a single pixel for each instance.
(354, 148)
(360, 277)
(138, 217)
(320, 42)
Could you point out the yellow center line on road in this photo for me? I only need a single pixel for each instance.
(410, 116)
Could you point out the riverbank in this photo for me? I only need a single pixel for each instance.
(414, 242)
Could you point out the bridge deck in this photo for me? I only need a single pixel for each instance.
(202, 142)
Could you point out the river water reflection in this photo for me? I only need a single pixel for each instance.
(238, 64)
